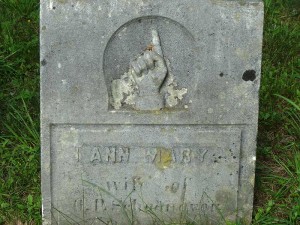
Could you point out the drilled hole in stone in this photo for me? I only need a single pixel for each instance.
(44, 62)
(249, 75)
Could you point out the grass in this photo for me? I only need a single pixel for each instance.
(20, 198)
(277, 191)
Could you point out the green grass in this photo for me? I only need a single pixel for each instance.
(20, 197)
(277, 192)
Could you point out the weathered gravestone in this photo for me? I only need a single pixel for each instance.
(149, 110)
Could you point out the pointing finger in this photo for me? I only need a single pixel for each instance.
(156, 42)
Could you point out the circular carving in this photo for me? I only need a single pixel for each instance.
(134, 38)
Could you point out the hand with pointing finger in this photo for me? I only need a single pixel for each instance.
(149, 72)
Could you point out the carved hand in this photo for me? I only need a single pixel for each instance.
(149, 72)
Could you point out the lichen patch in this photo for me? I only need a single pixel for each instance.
(164, 159)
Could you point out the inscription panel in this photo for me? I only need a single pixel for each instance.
(140, 169)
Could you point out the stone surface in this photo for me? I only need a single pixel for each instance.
(149, 110)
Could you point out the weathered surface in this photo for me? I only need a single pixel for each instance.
(149, 107)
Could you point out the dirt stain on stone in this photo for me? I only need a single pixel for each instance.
(227, 199)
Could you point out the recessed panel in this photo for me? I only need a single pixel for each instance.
(105, 171)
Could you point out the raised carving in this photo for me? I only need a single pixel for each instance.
(147, 85)
(107, 204)
(124, 184)
(109, 154)
(152, 155)
(184, 155)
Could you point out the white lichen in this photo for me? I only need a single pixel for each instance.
(123, 90)
(173, 94)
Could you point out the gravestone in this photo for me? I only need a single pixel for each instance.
(149, 110)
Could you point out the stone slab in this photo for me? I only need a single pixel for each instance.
(149, 108)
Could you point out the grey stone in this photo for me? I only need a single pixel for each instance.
(149, 110)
